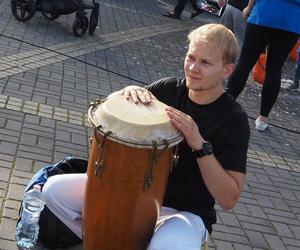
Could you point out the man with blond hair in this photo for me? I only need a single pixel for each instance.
(212, 158)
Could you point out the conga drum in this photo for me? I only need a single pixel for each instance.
(132, 152)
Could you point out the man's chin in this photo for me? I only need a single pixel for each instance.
(196, 86)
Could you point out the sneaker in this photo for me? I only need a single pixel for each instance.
(294, 86)
(195, 13)
(260, 125)
(171, 15)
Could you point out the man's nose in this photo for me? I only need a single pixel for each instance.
(194, 67)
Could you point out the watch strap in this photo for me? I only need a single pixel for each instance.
(205, 150)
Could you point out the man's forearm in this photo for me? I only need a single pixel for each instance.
(225, 186)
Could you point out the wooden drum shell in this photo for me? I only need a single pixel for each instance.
(118, 212)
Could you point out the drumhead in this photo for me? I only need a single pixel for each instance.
(136, 125)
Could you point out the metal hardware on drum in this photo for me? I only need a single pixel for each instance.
(155, 158)
(175, 158)
(99, 164)
(96, 103)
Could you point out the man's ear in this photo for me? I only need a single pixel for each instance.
(228, 69)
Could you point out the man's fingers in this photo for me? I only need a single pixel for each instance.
(134, 96)
(175, 113)
(138, 95)
(181, 121)
(126, 93)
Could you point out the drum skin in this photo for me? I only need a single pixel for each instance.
(119, 214)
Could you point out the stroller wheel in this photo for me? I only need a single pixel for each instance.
(80, 25)
(93, 21)
(23, 10)
(50, 16)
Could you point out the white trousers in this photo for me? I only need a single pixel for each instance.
(64, 195)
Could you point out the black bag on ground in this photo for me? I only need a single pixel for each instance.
(53, 232)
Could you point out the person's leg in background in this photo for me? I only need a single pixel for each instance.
(239, 25)
(295, 85)
(227, 17)
(255, 42)
(278, 50)
(177, 230)
(179, 7)
(196, 10)
(232, 18)
(64, 196)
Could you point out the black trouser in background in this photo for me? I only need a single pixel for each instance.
(257, 38)
(181, 4)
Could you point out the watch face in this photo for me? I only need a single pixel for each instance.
(207, 148)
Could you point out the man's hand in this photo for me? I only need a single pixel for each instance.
(187, 126)
(137, 94)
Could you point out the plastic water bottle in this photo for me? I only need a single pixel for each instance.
(28, 229)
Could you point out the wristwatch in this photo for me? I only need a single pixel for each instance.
(205, 150)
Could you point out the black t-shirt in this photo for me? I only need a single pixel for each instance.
(239, 4)
(225, 125)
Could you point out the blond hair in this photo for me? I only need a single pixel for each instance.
(217, 35)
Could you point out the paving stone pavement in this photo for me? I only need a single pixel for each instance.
(48, 77)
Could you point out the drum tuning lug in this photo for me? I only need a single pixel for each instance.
(175, 158)
(99, 167)
(174, 163)
(92, 104)
(148, 182)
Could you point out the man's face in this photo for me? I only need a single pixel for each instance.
(203, 67)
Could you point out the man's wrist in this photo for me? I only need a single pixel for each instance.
(206, 149)
(199, 146)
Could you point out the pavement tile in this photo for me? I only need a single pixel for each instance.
(224, 245)
(228, 219)
(226, 237)
(270, 193)
(40, 164)
(7, 244)
(283, 229)
(280, 204)
(2, 122)
(4, 174)
(28, 139)
(15, 192)
(274, 242)
(5, 164)
(240, 208)
(240, 247)
(291, 242)
(289, 218)
(288, 194)
(3, 185)
(295, 230)
(256, 211)
(8, 148)
(229, 229)
(38, 130)
(256, 239)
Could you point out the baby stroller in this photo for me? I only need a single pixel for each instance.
(24, 10)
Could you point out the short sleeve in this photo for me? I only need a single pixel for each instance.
(233, 155)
